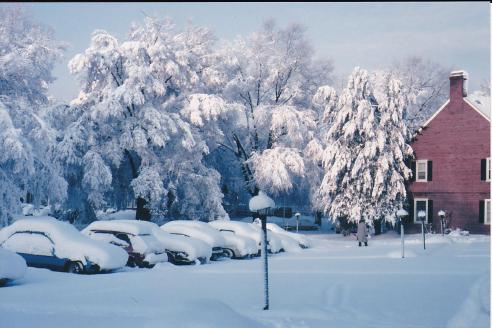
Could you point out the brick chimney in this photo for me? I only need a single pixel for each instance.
(458, 85)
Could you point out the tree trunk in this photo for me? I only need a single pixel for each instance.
(317, 218)
(142, 212)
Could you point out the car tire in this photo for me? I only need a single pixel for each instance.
(75, 267)
(229, 253)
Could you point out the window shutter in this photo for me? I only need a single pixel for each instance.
(481, 211)
(413, 166)
(430, 211)
(410, 208)
(483, 169)
(429, 170)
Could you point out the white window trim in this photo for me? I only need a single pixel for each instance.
(415, 212)
(487, 169)
(486, 219)
(417, 170)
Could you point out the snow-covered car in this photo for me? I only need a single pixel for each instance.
(201, 231)
(45, 242)
(239, 247)
(12, 266)
(287, 243)
(180, 249)
(135, 237)
(303, 241)
(274, 243)
(183, 249)
(246, 230)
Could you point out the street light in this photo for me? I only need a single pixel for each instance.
(421, 215)
(401, 215)
(297, 221)
(442, 215)
(260, 205)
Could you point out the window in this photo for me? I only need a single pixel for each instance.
(29, 243)
(421, 170)
(487, 170)
(486, 218)
(420, 204)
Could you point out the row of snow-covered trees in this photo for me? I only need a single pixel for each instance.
(169, 119)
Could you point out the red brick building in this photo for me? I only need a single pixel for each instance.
(452, 164)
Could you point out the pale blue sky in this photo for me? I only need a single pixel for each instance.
(370, 35)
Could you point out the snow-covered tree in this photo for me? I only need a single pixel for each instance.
(130, 138)
(28, 52)
(324, 104)
(267, 79)
(364, 161)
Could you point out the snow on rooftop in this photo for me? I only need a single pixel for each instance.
(481, 101)
(459, 73)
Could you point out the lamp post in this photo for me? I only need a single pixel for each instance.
(260, 205)
(401, 215)
(421, 215)
(442, 215)
(297, 221)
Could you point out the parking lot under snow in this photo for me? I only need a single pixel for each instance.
(333, 284)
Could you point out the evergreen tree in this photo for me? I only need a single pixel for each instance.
(364, 161)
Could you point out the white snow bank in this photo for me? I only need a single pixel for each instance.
(12, 266)
(397, 254)
(475, 310)
(261, 201)
(203, 313)
(458, 233)
(69, 242)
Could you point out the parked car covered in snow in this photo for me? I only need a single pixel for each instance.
(183, 249)
(287, 243)
(135, 237)
(12, 266)
(45, 242)
(274, 243)
(246, 230)
(201, 231)
(239, 247)
(303, 241)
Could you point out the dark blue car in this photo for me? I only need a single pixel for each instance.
(45, 242)
(39, 251)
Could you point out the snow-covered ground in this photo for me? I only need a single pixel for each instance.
(334, 284)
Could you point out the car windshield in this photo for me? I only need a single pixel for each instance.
(179, 234)
(117, 239)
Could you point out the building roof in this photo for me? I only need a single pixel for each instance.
(478, 100)
(481, 101)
